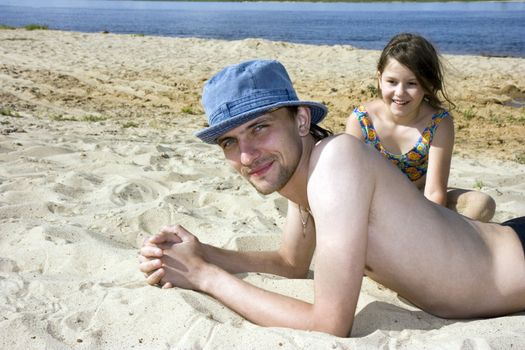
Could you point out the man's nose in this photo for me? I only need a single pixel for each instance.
(249, 153)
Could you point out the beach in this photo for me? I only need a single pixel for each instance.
(97, 152)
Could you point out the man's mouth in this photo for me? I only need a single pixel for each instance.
(260, 169)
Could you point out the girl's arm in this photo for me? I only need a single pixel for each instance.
(353, 127)
(439, 158)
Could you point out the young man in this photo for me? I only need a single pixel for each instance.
(359, 212)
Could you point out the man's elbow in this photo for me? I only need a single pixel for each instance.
(338, 329)
(298, 272)
(293, 268)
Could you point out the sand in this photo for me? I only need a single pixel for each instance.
(97, 152)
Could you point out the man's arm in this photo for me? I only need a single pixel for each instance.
(340, 190)
(292, 260)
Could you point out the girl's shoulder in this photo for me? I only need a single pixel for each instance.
(367, 109)
(438, 116)
(430, 113)
(373, 106)
(359, 111)
(442, 113)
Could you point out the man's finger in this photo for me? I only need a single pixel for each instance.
(155, 277)
(151, 251)
(167, 285)
(170, 233)
(150, 266)
(184, 234)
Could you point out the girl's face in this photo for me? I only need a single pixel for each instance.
(401, 91)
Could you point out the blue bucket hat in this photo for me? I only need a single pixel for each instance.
(245, 91)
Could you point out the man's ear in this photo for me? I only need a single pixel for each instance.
(303, 120)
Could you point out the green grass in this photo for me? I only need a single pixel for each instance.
(469, 114)
(130, 125)
(85, 118)
(26, 27)
(518, 119)
(372, 90)
(35, 27)
(62, 118)
(188, 110)
(93, 118)
(478, 184)
(5, 111)
(520, 158)
(9, 112)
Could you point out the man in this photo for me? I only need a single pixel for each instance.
(359, 212)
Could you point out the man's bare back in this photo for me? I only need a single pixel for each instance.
(429, 254)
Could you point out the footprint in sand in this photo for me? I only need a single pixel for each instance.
(59, 234)
(8, 265)
(133, 192)
(258, 243)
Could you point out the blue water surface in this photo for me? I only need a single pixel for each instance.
(486, 28)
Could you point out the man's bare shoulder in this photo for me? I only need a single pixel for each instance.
(342, 152)
(339, 146)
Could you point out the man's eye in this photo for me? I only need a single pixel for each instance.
(259, 127)
(227, 143)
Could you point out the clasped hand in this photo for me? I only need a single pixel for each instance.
(172, 258)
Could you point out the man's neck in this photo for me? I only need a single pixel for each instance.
(296, 188)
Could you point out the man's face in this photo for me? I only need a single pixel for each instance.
(265, 151)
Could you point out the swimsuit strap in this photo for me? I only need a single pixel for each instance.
(436, 119)
(367, 127)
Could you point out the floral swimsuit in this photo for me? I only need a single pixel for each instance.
(414, 163)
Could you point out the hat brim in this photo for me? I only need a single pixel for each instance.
(212, 133)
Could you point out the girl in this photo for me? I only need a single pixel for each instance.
(410, 127)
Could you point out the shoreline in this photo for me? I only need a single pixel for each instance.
(32, 27)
